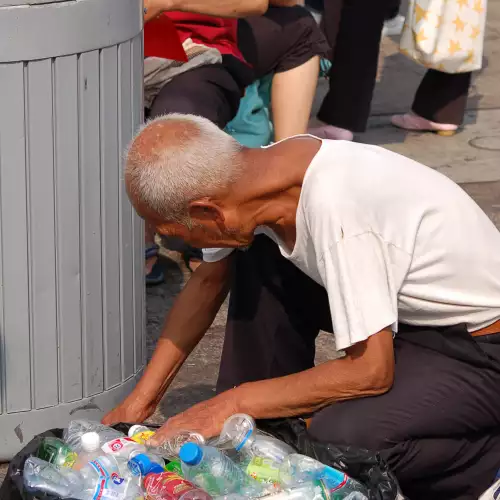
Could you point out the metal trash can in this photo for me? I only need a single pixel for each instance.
(72, 321)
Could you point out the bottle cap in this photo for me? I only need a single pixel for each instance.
(136, 429)
(142, 465)
(90, 441)
(191, 454)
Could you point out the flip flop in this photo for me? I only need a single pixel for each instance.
(156, 276)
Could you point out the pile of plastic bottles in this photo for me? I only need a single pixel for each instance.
(95, 462)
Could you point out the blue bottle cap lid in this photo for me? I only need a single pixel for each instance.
(191, 454)
(141, 464)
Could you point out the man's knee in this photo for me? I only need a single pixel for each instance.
(337, 424)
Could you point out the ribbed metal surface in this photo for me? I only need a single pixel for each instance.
(71, 247)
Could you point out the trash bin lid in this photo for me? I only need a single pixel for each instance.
(41, 29)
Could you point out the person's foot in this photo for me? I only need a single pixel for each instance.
(394, 26)
(332, 133)
(411, 121)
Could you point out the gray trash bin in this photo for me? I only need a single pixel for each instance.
(72, 320)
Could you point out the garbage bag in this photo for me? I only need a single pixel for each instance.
(365, 466)
(362, 465)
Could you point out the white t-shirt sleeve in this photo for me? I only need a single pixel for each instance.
(358, 277)
(216, 254)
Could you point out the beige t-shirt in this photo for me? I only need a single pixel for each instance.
(391, 241)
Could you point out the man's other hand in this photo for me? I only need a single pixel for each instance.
(206, 418)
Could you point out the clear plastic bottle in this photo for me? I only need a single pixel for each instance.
(42, 477)
(171, 447)
(77, 428)
(306, 491)
(90, 444)
(103, 479)
(241, 432)
(298, 469)
(214, 472)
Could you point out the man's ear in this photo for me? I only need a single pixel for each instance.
(205, 210)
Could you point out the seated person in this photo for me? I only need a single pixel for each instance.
(391, 256)
(276, 38)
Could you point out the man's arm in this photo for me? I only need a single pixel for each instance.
(190, 317)
(218, 8)
(366, 370)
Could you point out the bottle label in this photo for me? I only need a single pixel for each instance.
(106, 485)
(121, 447)
(166, 485)
(143, 437)
(263, 470)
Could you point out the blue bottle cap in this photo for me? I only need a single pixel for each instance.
(141, 464)
(191, 454)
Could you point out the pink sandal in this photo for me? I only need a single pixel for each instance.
(411, 121)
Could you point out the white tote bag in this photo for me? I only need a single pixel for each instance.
(446, 35)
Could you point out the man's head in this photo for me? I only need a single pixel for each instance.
(179, 173)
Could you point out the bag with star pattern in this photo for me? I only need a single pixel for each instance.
(446, 35)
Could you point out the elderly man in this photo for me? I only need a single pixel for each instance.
(392, 257)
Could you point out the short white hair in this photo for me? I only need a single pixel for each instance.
(168, 171)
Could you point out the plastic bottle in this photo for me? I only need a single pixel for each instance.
(171, 486)
(140, 434)
(77, 428)
(171, 447)
(306, 491)
(90, 445)
(174, 466)
(103, 481)
(241, 432)
(297, 469)
(57, 452)
(142, 464)
(214, 472)
(42, 477)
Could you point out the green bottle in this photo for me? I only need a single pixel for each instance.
(57, 452)
(174, 466)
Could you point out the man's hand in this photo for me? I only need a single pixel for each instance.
(131, 410)
(206, 418)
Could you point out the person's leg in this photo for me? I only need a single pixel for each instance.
(356, 41)
(209, 91)
(275, 313)
(438, 427)
(288, 42)
(439, 103)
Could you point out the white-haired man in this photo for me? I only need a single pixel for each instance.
(391, 256)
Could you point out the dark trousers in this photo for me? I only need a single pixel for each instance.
(442, 97)
(353, 29)
(282, 39)
(439, 425)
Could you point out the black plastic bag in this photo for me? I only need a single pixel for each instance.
(365, 466)
(360, 464)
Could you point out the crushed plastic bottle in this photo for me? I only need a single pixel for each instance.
(170, 448)
(77, 428)
(41, 476)
(298, 469)
(102, 480)
(241, 432)
(306, 491)
(171, 486)
(90, 444)
(215, 473)
(57, 452)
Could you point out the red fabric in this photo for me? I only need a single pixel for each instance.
(161, 39)
(217, 32)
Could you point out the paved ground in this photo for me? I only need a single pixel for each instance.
(471, 158)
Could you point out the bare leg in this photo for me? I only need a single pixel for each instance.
(149, 234)
(297, 86)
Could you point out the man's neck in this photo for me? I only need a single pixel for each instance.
(273, 191)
